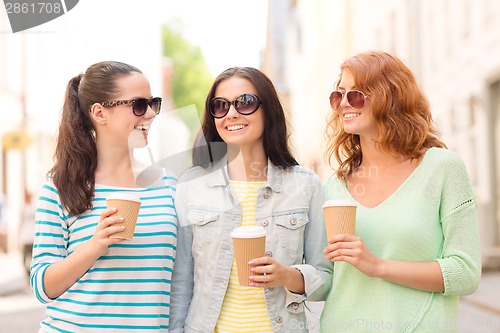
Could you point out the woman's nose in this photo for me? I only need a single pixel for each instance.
(232, 113)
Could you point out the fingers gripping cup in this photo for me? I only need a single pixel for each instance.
(127, 205)
(340, 217)
(249, 243)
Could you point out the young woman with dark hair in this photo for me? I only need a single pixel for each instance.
(91, 282)
(253, 180)
(274, 138)
(416, 245)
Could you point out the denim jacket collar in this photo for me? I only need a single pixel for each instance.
(274, 175)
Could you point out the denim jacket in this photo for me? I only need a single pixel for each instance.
(289, 207)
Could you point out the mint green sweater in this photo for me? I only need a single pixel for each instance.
(431, 216)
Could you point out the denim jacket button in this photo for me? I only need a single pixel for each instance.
(267, 195)
(279, 319)
(295, 305)
(268, 254)
(200, 218)
(293, 221)
(264, 223)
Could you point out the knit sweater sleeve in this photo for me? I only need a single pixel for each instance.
(460, 261)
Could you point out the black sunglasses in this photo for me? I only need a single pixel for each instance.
(245, 104)
(139, 105)
(355, 98)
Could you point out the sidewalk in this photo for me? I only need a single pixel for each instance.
(12, 276)
(487, 296)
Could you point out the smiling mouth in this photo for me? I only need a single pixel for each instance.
(235, 127)
(351, 115)
(142, 127)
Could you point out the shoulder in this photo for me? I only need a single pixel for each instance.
(445, 166)
(49, 187)
(301, 178)
(169, 178)
(193, 173)
(167, 174)
(445, 159)
(333, 187)
(333, 180)
(441, 154)
(302, 172)
(155, 176)
(48, 198)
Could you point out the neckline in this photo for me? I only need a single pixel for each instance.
(398, 189)
(104, 186)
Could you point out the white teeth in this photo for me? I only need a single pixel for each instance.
(235, 127)
(141, 127)
(351, 115)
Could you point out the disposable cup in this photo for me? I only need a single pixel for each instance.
(249, 243)
(127, 205)
(340, 217)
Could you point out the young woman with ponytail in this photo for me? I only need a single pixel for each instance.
(90, 282)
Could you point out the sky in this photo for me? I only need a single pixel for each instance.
(229, 32)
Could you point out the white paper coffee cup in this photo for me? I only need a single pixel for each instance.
(249, 243)
(340, 217)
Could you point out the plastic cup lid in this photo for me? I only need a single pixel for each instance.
(124, 196)
(338, 203)
(248, 232)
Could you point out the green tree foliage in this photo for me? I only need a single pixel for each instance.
(191, 76)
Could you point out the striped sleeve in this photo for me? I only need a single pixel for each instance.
(51, 238)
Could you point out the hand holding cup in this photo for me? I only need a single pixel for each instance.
(249, 243)
(127, 205)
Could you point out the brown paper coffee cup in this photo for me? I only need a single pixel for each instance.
(340, 217)
(249, 243)
(127, 205)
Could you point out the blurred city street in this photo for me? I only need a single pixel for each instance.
(20, 312)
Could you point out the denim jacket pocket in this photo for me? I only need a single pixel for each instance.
(291, 231)
(201, 217)
(202, 222)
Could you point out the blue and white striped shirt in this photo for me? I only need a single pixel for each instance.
(127, 289)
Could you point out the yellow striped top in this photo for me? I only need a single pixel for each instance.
(244, 308)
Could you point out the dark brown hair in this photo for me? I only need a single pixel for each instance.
(76, 151)
(400, 109)
(275, 127)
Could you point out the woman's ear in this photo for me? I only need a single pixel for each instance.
(97, 114)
